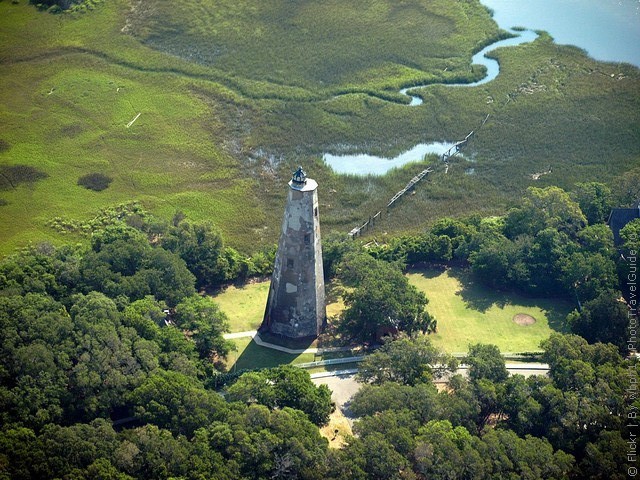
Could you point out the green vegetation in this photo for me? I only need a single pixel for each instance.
(570, 424)
(307, 49)
(244, 306)
(216, 137)
(249, 355)
(198, 114)
(284, 386)
(407, 361)
(95, 181)
(380, 302)
(468, 312)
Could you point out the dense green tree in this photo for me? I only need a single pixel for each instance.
(459, 404)
(149, 452)
(486, 362)
(261, 262)
(597, 239)
(77, 446)
(284, 386)
(167, 276)
(146, 316)
(382, 300)
(201, 247)
(36, 352)
(102, 469)
(399, 426)
(374, 456)
(542, 208)
(588, 274)
(493, 263)
(33, 270)
(544, 257)
(406, 361)
(202, 317)
(444, 451)
(606, 458)
(458, 231)
(176, 402)
(335, 246)
(630, 235)
(426, 247)
(261, 443)
(106, 363)
(421, 400)
(509, 456)
(21, 455)
(522, 411)
(131, 267)
(595, 201)
(585, 394)
(603, 319)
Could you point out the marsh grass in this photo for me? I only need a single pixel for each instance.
(218, 137)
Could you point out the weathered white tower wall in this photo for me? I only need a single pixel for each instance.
(296, 303)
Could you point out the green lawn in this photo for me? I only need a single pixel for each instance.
(470, 313)
(466, 313)
(244, 306)
(251, 355)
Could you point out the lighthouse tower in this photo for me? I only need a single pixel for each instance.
(296, 304)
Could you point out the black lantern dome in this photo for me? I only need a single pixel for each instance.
(299, 178)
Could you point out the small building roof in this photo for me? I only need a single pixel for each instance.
(619, 218)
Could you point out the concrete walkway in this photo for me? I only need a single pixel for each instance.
(293, 351)
(526, 369)
(249, 333)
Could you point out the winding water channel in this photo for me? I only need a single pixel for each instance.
(493, 68)
(365, 164)
(609, 30)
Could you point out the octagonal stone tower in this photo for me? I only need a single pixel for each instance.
(296, 304)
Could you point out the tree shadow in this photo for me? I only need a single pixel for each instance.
(333, 291)
(557, 316)
(256, 356)
(479, 297)
(429, 271)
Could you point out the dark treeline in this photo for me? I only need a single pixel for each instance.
(114, 333)
(571, 424)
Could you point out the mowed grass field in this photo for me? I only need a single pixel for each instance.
(244, 307)
(469, 313)
(466, 312)
(249, 354)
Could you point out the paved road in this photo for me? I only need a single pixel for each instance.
(344, 386)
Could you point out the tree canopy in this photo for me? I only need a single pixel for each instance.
(381, 301)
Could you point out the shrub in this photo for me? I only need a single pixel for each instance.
(95, 181)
